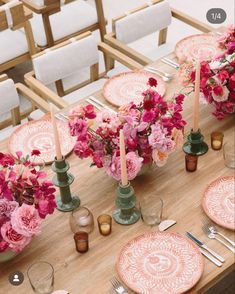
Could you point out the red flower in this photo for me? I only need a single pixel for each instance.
(152, 82)
(223, 75)
(89, 111)
(6, 159)
(218, 90)
(35, 152)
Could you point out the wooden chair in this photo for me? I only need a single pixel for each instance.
(54, 68)
(10, 96)
(15, 47)
(55, 21)
(145, 20)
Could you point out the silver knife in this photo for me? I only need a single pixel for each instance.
(202, 245)
(100, 103)
(211, 258)
(94, 104)
(170, 63)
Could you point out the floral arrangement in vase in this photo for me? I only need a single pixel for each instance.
(26, 198)
(217, 85)
(152, 130)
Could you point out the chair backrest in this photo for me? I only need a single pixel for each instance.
(142, 22)
(12, 15)
(63, 60)
(9, 99)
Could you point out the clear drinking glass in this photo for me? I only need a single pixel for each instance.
(41, 277)
(151, 208)
(229, 154)
(81, 219)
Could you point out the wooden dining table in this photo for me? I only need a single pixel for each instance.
(181, 192)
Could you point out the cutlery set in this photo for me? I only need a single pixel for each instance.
(211, 232)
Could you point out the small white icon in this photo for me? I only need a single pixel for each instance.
(16, 278)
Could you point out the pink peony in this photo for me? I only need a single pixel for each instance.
(133, 164)
(78, 127)
(15, 240)
(26, 221)
(82, 149)
(157, 136)
(178, 137)
(7, 207)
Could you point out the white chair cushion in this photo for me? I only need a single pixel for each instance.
(9, 98)
(144, 22)
(84, 91)
(36, 114)
(12, 45)
(72, 18)
(62, 62)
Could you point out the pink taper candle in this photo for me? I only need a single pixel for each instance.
(56, 134)
(124, 178)
(196, 98)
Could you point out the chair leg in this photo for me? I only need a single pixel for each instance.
(101, 19)
(109, 62)
(15, 114)
(94, 72)
(48, 30)
(60, 88)
(162, 36)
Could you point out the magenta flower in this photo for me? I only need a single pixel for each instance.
(82, 149)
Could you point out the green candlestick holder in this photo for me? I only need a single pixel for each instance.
(126, 212)
(63, 180)
(195, 144)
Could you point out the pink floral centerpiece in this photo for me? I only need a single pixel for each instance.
(217, 77)
(152, 130)
(26, 198)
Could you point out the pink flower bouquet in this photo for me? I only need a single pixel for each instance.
(217, 77)
(26, 198)
(152, 130)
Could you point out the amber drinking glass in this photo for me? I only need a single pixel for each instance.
(217, 140)
(81, 242)
(105, 224)
(191, 162)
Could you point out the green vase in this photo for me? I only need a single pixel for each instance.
(7, 255)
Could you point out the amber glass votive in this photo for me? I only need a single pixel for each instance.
(217, 140)
(191, 162)
(81, 242)
(105, 224)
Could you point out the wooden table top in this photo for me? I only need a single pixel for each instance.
(181, 192)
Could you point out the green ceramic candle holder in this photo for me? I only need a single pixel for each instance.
(195, 144)
(126, 212)
(63, 180)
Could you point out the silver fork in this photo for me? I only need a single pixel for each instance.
(61, 116)
(117, 286)
(213, 230)
(166, 74)
(165, 79)
(213, 236)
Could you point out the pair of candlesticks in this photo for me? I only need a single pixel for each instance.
(126, 212)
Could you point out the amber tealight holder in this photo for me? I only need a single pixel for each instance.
(81, 242)
(105, 224)
(217, 140)
(191, 162)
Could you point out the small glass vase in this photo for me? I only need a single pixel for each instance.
(147, 168)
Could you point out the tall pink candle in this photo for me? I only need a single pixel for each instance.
(56, 134)
(124, 178)
(196, 98)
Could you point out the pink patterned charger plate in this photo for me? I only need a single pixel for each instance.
(219, 202)
(128, 86)
(155, 263)
(197, 46)
(38, 134)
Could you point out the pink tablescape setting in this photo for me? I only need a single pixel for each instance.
(123, 183)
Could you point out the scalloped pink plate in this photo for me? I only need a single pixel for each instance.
(38, 134)
(155, 263)
(128, 86)
(196, 46)
(219, 202)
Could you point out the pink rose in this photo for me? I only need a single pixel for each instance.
(159, 157)
(26, 220)
(15, 240)
(133, 164)
(7, 207)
